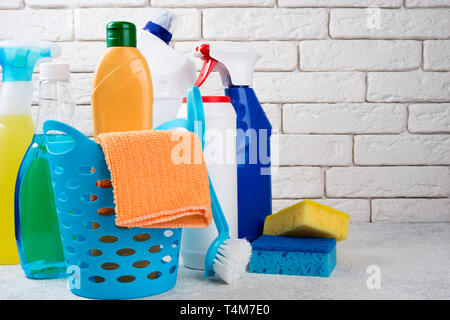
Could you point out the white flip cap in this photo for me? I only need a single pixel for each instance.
(164, 18)
(54, 71)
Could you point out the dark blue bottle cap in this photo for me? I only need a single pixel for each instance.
(158, 31)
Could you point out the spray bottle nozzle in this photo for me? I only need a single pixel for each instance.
(235, 65)
(18, 57)
(209, 64)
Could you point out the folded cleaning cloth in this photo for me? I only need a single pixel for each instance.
(159, 178)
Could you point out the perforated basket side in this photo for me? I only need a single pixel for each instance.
(106, 262)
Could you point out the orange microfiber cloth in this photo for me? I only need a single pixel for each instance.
(159, 178)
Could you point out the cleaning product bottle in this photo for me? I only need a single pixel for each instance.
(235, 66)
(122, 94)
(220, 158)
(17, 58)
(172, 72)
(37, 231)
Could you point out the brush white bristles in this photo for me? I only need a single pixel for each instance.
(232, 259)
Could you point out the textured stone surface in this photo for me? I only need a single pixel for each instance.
(340, 3)
(56, 26)
(90, 24)
(415, 86)
(429, 149)
(359, 55)
(413, 210)
(212, 3)
(426, 3)
(265, 24)
(344, 118)
(297, 182)
(85, 3)
(393, 24)
(389, 182)
(82, 56)
(436, 55)
(413, 259)
(82, 87)
(315, 150)
(10, 4)
(310, 86)
(273, 112)
(429, 118)
(276, 55)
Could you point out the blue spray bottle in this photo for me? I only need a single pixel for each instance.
(235, 66)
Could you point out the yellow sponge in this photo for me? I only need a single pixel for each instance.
(308, 219)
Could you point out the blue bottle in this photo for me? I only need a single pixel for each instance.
(36, 223)
(235, 66)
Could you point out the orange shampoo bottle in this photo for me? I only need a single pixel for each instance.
(122, 93)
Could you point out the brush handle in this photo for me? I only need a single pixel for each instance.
(196, 123)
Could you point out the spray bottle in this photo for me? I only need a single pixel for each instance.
(17, 58)
(235, 66)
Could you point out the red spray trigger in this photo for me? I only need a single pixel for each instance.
(209, 63)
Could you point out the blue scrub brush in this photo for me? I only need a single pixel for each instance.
(227, 258)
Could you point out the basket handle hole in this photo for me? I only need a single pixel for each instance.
(110, 266)
(154, 275)
(106, 212)
(74, 211)
(168, 233)
(96, 279)
(86, 170)
(125, 252)
(59, 142)
(141, 264)
(89, 197)
(155, 249)
(94, 252)
(126, 279)
(91, 225)
(108, 239)
(78, 238)
(72, 184)
(104, 184)
(166, 259)
(141, 237)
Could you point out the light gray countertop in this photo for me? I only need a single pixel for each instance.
(413, 259)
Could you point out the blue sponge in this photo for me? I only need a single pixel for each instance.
(315, 257)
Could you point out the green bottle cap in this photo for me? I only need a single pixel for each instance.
(120, 34)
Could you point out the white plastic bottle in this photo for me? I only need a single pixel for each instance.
(220, 158)
(172, 73)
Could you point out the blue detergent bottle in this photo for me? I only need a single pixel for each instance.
(235, 66)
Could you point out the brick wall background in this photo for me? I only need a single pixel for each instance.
(363, 109)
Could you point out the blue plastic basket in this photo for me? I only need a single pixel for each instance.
(106, 261)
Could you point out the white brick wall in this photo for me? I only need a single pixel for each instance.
(361, 98)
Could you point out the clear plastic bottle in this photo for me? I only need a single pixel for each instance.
(37, 230)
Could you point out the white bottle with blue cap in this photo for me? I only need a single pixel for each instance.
(172, 72)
